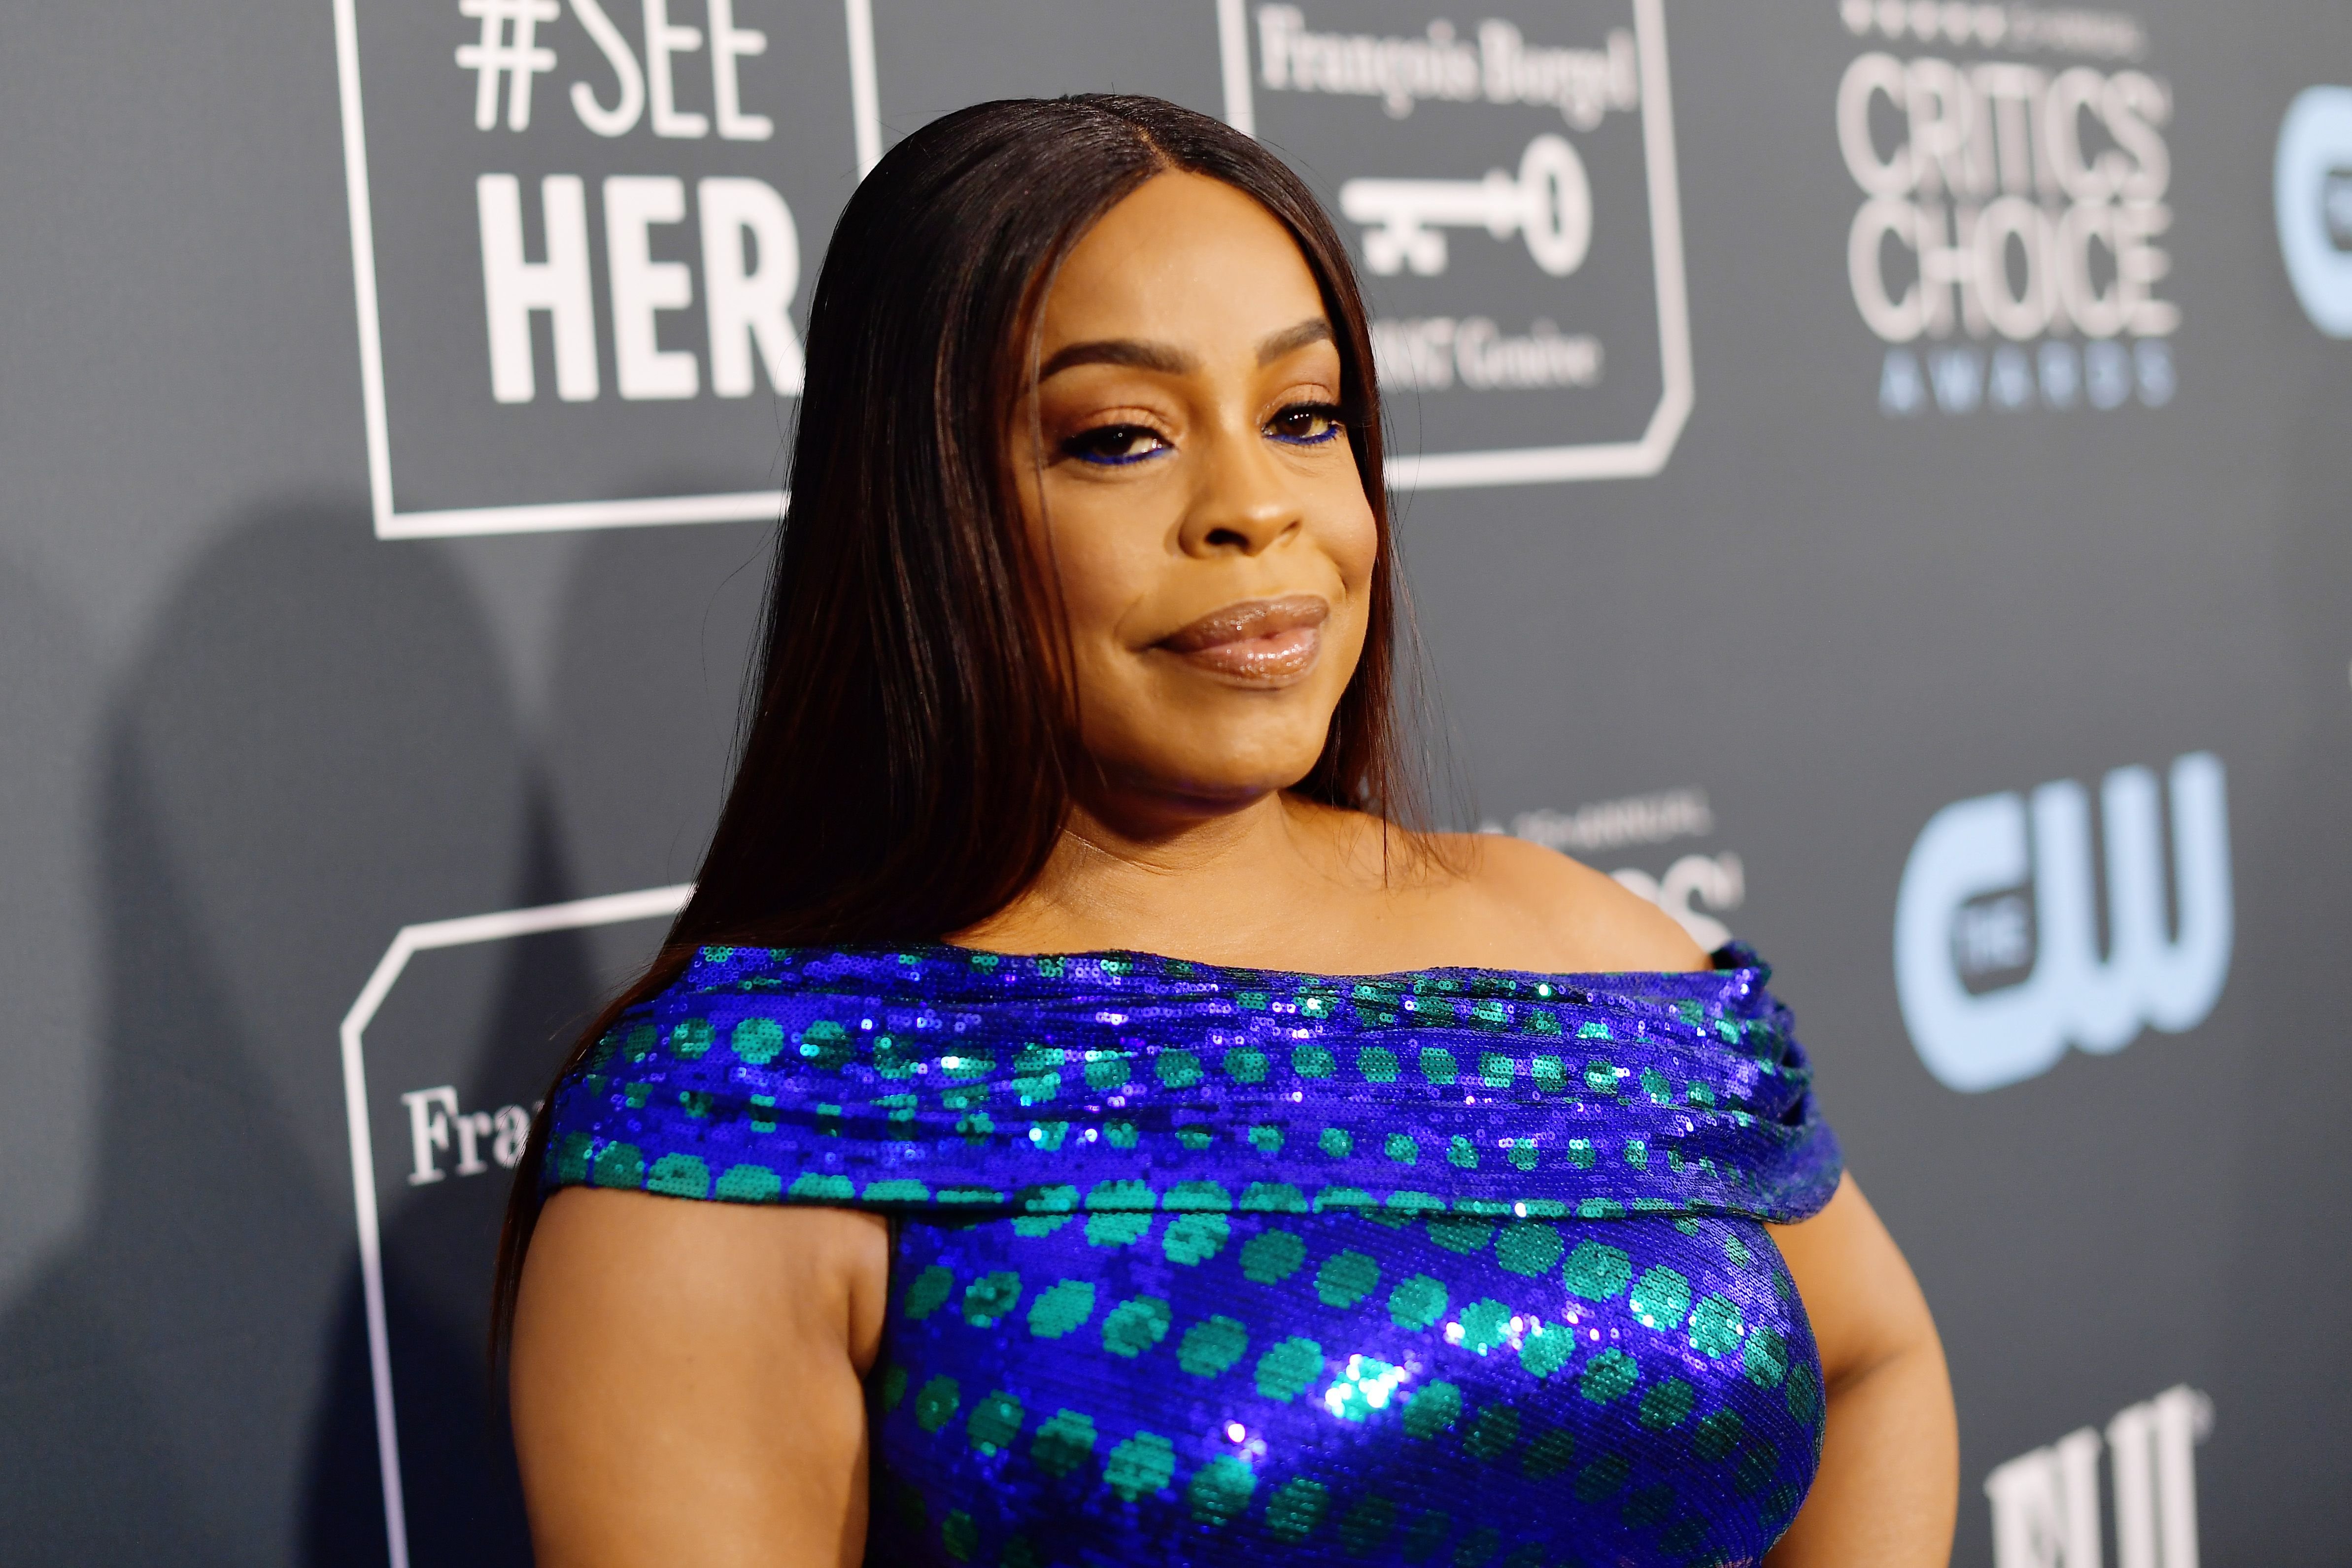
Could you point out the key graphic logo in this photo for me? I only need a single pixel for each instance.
(1550, 203)
(1998, 962)
(1509, 184)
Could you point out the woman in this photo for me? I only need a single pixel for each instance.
(1409, 1207)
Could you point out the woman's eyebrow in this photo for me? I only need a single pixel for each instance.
(1121, 351)
(1139, 354)
(1291, 340)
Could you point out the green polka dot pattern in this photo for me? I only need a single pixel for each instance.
(1339, 1401)
(1213, 1265)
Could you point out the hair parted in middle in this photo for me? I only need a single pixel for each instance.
(908, 745)
(909, 750)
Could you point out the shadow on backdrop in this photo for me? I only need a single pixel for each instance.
(49, 710)
(650, 644)
(313, 748)
(463, 1498)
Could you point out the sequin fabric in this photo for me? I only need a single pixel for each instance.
(1198, 1265)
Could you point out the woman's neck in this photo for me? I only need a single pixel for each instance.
(1227, 884)
(1278, 882)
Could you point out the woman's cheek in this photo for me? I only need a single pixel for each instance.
(1086, 554)
(1354, 546)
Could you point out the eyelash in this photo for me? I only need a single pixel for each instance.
(1327, 414)
(1099, 446)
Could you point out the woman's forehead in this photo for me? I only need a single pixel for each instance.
(1183, 259)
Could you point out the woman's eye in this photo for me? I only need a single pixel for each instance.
(1112, 445)
(1305, 424)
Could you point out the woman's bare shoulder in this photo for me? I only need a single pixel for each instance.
(1484, 901)
(1584, 919)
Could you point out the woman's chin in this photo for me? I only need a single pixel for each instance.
(1210, 783)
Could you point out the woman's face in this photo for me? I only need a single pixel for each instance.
(1197, 497)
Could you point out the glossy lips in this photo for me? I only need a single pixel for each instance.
(1259, 640)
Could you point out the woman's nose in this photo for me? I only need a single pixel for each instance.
(1243, 500)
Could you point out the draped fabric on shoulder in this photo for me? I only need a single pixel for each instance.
(1199, 1265)
(941, 1079)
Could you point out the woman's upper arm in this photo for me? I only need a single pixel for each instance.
(686, 1381)
(1864, 1305)
(1889, 1479)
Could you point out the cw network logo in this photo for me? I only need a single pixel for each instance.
(2312, 188)
(2045, 1504)
(1997, 952)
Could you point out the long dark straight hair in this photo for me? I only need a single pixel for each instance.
(908, 749)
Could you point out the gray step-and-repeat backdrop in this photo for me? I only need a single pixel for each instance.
(1874, 481)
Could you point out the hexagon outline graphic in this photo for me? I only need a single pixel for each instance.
(1637, 458)
(546, 517)
(611, 908)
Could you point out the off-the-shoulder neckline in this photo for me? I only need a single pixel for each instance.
(1732, 958)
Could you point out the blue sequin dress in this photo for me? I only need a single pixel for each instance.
(1210, 1266)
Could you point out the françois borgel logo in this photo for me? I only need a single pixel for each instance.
(1997, 953)
(2045, 1504)
(1509, 184)
(2009, 245)
(2314, 191)
(577, 232)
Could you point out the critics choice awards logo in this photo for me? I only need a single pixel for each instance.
(579, 232)
(1507, 182)
(2009, 243)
